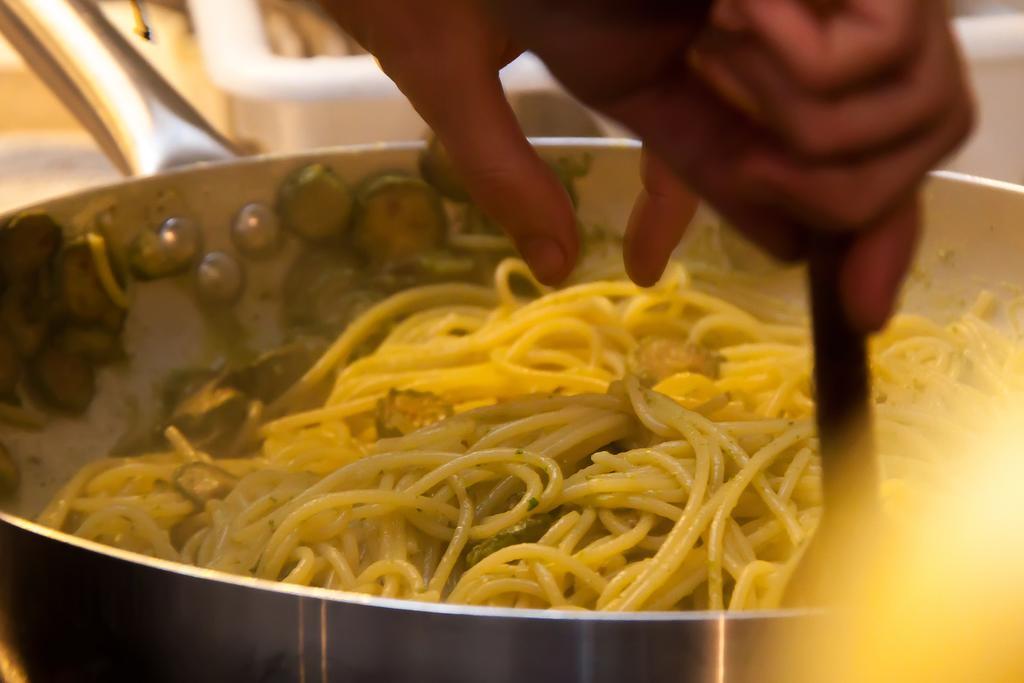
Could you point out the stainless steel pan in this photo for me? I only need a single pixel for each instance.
(77, 611)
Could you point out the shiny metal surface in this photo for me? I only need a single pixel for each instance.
(220, 278)
(77, 615)
(140, 122)
(179, 240)
(256, 231)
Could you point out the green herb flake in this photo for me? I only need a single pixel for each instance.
(532, 504)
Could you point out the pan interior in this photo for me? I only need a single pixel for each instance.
(970, 245)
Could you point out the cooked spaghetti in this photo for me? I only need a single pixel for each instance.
(598, 447)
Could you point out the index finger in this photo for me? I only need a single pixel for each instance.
(465, 105)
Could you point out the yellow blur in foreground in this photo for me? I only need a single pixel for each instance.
(944, 597)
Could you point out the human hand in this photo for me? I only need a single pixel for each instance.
(445, 56)
(841, 113)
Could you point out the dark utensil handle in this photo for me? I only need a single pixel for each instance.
(842, 381)
(848, 466)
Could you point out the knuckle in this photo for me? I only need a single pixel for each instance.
(813, 136)
(894, 48)
(886, 50)
(843, 200)
(855, 213)
(855, 204)
(844, 204)
(820, 78)
(901, 39)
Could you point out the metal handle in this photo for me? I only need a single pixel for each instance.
(142, 124)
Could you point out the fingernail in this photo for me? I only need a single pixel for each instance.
(545, 258)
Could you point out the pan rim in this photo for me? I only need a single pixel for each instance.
(358, 599)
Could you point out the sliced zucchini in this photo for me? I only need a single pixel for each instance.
(10, 368)
(94, 343)
(182, 384)
(315, 290)
(27, 244)
(441, 265)
(437, 169)
(529, 530)
(433, 266)
(150, 258)
(10, 476)
(212, 418)
(403, 412)
(314, 203)
(274, 372)
(200, 482)
(81, 291)
(25, 314)
(397, 216)
(65, 381)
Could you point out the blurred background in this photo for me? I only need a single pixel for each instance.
(277, 76)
